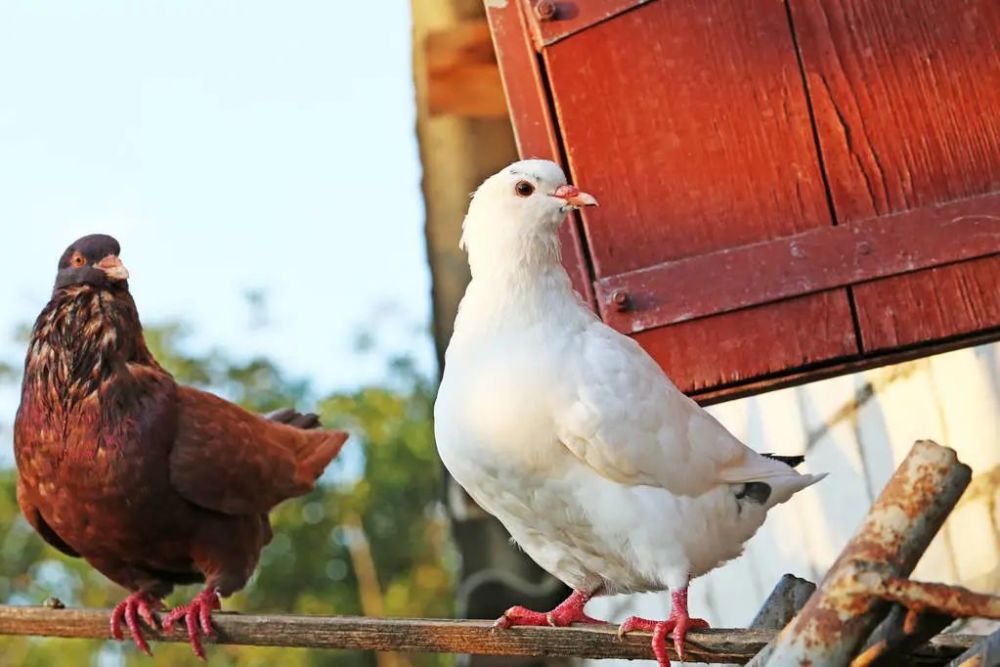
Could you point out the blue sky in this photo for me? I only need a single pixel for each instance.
(229, 146)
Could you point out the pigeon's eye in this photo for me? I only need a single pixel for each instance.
(524, 189)
(78, 260)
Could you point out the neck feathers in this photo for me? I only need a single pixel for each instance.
(511, 257)
(82, 339)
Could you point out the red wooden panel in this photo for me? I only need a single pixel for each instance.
(697, 356)
(688, 120)
(952, 300)
(552, 20)
(530, 116)
(813, 261)
(907, 102)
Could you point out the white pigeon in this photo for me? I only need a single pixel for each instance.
(607, 475)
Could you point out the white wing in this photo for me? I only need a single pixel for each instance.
(627, 421)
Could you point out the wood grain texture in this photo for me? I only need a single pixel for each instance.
(429, 635)
(812, 261)
(737, 347)
(933, 304)
(527, 99)
(907, 103)
(688, 121)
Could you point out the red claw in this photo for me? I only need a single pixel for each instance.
(197, 617)
(678, 625)
(131, 609)
(568, 612)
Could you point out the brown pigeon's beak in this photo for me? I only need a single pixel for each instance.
(574, 197)
(113, 268)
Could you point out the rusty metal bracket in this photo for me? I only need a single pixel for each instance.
(918, 596)
(897, 530)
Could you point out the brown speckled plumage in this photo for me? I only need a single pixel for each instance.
(154, 484)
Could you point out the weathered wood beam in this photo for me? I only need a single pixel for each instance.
(431, 635)
(462, 74)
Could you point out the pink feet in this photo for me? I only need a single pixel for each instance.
(568, 612)
(131, 609)
(197, 616)
(678, 624)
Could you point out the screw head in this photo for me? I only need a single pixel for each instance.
(620, 300)
(545, 10)
(864, 248)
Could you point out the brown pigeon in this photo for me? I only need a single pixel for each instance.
(154, 484)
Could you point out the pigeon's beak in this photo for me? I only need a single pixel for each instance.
(574, 197)
(113, 268)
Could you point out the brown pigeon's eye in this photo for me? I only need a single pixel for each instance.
(78, 260)
(524, 189)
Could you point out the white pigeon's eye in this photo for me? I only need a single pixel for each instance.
(524, 189)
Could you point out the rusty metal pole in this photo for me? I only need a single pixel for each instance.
(899, 526)
(788, 597)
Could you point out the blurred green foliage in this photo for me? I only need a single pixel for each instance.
(374, 530)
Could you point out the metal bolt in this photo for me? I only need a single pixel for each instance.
(545, 10)
(864, 248)
(620, 300)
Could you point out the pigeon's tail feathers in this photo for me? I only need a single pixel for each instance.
(790, 461)
(783, 488)
(774, 471)
(290, 417)
(324, 446)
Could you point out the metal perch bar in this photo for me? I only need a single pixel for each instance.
(433, 635)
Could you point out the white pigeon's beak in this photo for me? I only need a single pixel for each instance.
(113, 268)
(574, 197)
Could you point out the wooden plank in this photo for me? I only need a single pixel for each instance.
(734, 348)
(428, 635)
(527, 99)
(907, 104)
(462, 74)
(686, 158)
(812, 261)
(791, 377)
(946, 301)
